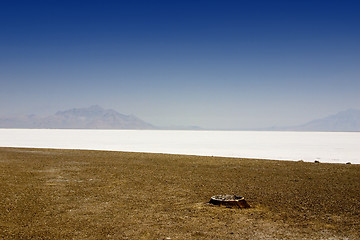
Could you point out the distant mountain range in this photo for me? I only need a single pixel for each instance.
(345, 121)
(94, 117)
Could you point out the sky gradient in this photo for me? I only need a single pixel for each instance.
(214, 64)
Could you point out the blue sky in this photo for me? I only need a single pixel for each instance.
(217, 64)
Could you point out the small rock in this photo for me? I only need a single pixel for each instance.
(231, 201)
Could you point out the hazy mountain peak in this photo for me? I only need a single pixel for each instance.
(94, 117)
(349, 112)
(344, 121)
(92, 109)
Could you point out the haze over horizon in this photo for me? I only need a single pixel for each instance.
(214, 64)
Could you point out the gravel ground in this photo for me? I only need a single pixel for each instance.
(76, 194)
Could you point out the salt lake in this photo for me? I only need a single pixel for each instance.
(332, 147)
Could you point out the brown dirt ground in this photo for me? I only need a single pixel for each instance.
(73, 194)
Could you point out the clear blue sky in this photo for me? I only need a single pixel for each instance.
(221, 64)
